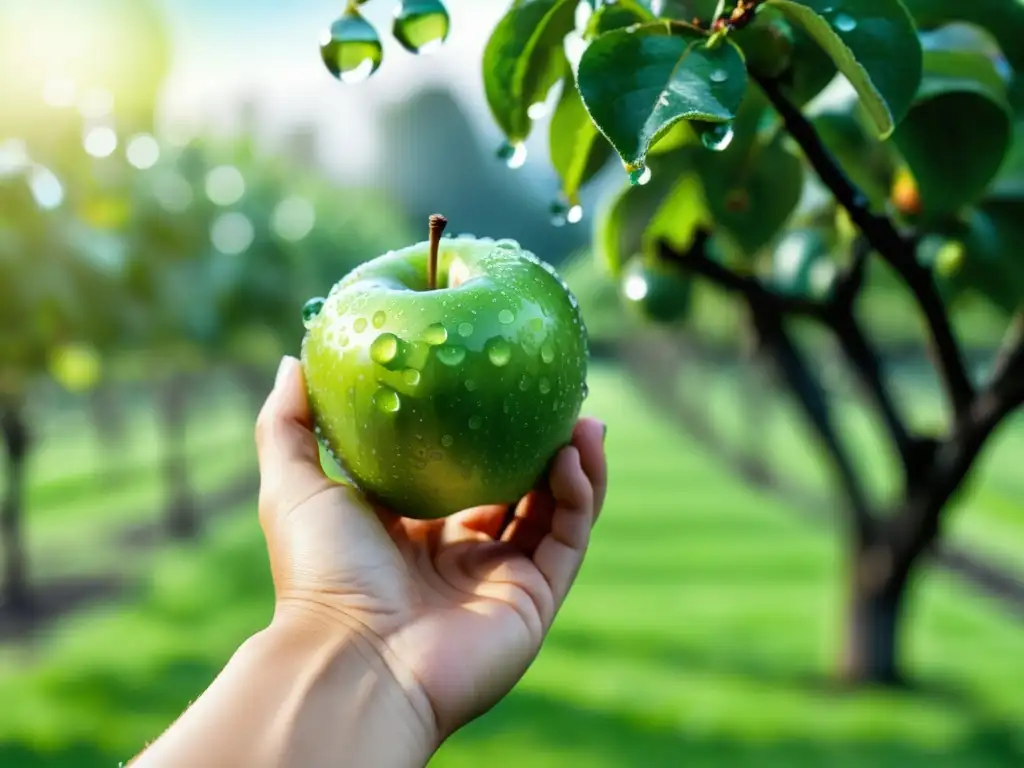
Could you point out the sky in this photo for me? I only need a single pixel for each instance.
(267, 51)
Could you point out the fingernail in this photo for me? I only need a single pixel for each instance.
(284, 370)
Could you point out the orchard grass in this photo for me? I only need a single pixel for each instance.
(702, 631)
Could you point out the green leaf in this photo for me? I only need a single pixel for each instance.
(958, 131)
(578, 150)
(623, 218)
(993, 239)
(683, 211)
(873, 43)
(1004, 19)
(637, 84)
(868, 163)
(523, 59)
(751, 188)
(624, 13)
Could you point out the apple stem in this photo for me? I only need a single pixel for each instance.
(437, 225)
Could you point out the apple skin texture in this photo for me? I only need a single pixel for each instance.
(436, 401)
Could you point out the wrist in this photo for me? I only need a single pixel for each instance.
(346, 679)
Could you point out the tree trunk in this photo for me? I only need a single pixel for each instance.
(15, 595)
(181, 518)
(878, 595)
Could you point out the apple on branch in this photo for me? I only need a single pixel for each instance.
(447, 374)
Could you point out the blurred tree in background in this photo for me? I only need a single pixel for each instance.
(820, 221)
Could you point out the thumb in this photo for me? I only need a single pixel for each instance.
(289, 458)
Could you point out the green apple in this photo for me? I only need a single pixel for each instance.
(438, 396)
(656, 290)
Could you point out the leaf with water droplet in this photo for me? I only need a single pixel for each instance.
(874, 44)
(523, 59)
(351, 48)
(637, 84)
(421, 26)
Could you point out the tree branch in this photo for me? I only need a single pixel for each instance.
(881, 233)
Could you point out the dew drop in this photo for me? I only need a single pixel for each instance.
(505, 407)
(586, 390)
(470, 385)
(421, 26)
(310, 310)
(640, 175)
(505, 317)
(544, 386)
(465, 330)
(575, 214)
(559, 213)
(844, 22)
(435, 335)
(343, 340)
(547, 352)
(379, 318)
(351, 48)
(359, 325)
(524, 383)
(719, 76)
(384, 348)
(718, 137)
(451, 355)
(475, 422)
(499, 352)
(537, 110)
(387, 400)
(447, 441)
(411, 377)
(514, 155)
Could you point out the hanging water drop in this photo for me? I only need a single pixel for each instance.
(537, 110)
(639, 175)
(844, 23)
(421, 26)
(719, 76)
(547, 352)
(311, 309)
(514, 155)
(351, 48)
(559, 213)
(717, 137)
(575, 214)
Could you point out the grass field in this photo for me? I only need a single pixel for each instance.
(701, 633)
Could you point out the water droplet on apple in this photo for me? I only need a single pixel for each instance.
(311, 309)
(499, 352)
(547, 352)
(447, 441)
(544, 386)
(351, 48)
(384, 348)
(359, 325)
(465, 330)
(421, 26)
(524, 383)
(411, 377)
(379, 318)
(586, 391)
(470, 385)
(475, 422)
(387, 400)
(435, 335)
(451, 355)
(343, 340)
(505, 317)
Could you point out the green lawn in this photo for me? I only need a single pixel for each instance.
(701, 633)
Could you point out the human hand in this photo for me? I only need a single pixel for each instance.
(456, 608)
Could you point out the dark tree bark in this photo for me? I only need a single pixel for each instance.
(181, 515)
(15, 594)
